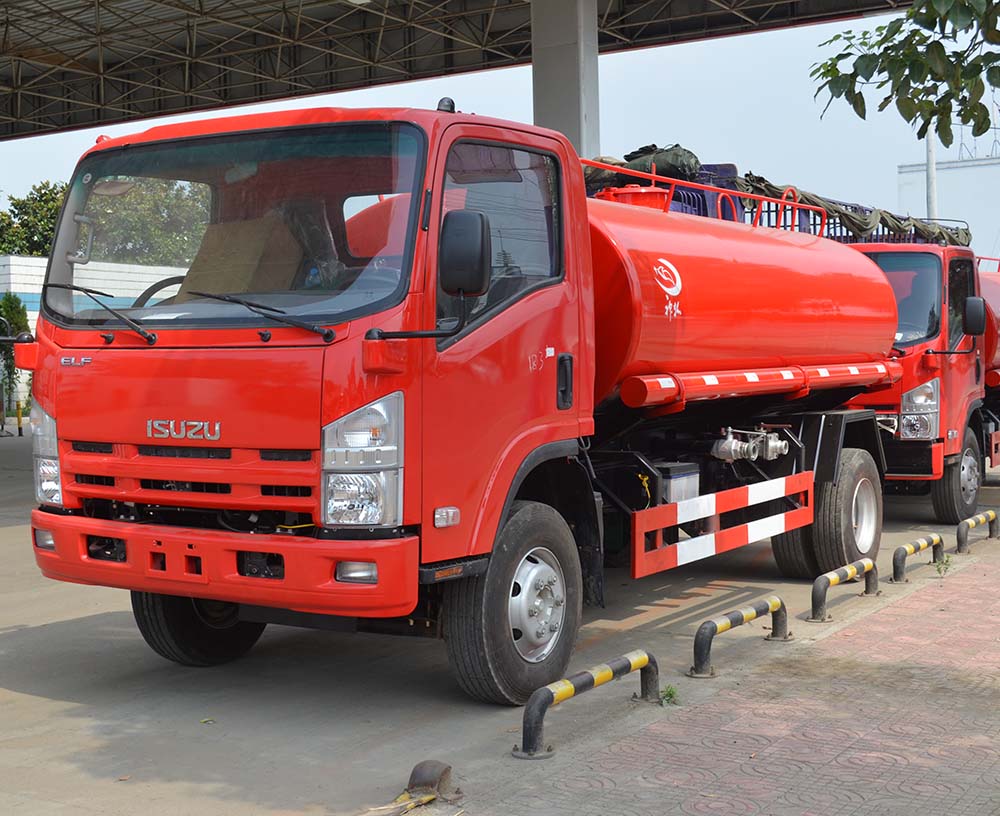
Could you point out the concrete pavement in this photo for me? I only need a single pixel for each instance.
(326, 723)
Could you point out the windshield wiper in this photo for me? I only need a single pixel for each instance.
(149, 337)
(272, 313)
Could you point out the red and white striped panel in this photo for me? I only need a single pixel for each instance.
(663, 389)
(711, 506)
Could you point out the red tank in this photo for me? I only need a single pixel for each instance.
(989, 286)
(676, 294)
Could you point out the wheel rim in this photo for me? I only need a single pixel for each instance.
(537, 604)
(969, 477)
(216, 614)
(864, 515)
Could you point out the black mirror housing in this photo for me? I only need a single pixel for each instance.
(974, 316)
(465, 256)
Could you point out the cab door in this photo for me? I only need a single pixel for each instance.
(508, 382)
(962, 374)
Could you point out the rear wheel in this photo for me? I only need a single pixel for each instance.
(847, 525)
(956, 494)
(512, 630)
(191, 631)
(793, 552)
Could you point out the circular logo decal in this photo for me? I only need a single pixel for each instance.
(667, 277)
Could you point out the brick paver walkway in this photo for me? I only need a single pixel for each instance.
(896, 715)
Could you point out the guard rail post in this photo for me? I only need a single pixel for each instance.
(822, 585)
(962, 533)
(554, 693)
(772, 605)
(934, 541)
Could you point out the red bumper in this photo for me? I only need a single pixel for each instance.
(308, 584)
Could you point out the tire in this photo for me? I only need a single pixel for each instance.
(794, 554)
(847, 524)
(480, 615)
(193, 632)
(956, 494)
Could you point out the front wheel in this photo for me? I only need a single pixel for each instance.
(191, 631)
(847, 525)
(512, 630)
(956, 494)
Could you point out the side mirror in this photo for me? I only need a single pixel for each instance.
(465, 259)
(974, 316)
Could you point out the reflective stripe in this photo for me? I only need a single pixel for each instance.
(602, 674)
(765, 491)
(748, 614)
(666, 382)
(774, 603)
(751, 377)
(697, 508)
(710, 379)
(722, 625)
(694, 549)
(637, 659)
(765, 528)
(561, 690)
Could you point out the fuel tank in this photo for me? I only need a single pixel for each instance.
(676, 293)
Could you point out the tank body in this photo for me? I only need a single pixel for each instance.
(989, 288)
(675, 294)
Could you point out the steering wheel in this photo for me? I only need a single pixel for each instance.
(156, 287)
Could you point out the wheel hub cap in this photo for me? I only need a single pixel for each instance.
(969, 477)
(864, 512)
(537, 604)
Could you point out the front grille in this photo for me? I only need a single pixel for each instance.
(92, 447)
(285, 490)
(185, 487)
(89, 479)
(175, 452)
(286, 455)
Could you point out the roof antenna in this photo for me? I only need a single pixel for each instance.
(446, 104)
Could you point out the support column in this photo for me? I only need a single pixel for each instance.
(564, 70)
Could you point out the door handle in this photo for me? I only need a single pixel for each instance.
(564, 382)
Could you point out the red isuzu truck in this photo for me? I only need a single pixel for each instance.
(939, 421)
(392, 370)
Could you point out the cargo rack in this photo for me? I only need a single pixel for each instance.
(729, 198)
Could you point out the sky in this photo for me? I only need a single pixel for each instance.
(746, 99)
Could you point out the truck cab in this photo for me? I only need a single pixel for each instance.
(340, 369)
(936, 428)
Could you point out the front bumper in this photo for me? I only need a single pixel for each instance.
(308, 584)
(913, 460)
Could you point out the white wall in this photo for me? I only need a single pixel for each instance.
(967, 190)
(24, 277)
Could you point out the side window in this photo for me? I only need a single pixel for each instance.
(960, 286)
(519, 192)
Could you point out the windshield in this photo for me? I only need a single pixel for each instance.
(915, 278)
(316, 222)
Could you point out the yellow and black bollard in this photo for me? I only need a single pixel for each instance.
(20, 418)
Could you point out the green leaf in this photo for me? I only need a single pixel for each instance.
(993, 75)
(840, 84)
(989, 25)
(926, 19)
(937, 59)
(961, 16)
(858, 103)
(885, 103)
(976, 90)
(978, 6)
(944, 130)
(981, 125)
(866, 65)
(894, 28)
(942, 7)
(918, 71)
(907, 108)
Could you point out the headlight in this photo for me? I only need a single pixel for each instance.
(45, 453)
(919, 414)
(363, 466)
(922, 399)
